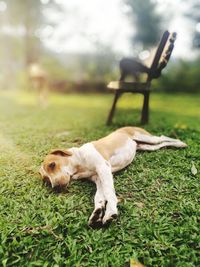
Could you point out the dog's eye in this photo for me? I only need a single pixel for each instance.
(52, 165)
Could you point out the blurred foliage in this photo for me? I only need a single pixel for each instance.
(194, 14)
(22, 36)
(89, 73)
(146, 20)
(76, 72)
(96, 67)
(31, 18)
(55, 68)
(182, 76)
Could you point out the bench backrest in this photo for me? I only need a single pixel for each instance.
(162, 55)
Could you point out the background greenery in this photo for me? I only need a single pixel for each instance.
(159, 196)
(25, 25)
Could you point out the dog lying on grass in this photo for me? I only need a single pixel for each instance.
(97, 161)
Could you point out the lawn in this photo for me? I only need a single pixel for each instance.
(159, 196)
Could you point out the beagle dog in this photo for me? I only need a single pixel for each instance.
(97, 161)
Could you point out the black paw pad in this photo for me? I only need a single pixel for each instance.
(96, 219)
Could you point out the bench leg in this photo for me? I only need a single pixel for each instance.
(112, 111)
(145, 109)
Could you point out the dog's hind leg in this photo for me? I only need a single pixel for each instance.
(153, 140)
(148, 147)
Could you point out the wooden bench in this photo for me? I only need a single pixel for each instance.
(159, 62)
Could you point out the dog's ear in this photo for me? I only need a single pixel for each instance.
(61, 152)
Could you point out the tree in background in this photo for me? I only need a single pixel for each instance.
(194, 15)
(30, 17)
(146, 23)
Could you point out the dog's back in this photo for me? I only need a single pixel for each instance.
(110, 143)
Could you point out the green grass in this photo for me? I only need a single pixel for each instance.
(159, 208)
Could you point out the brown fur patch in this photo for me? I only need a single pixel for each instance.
(58, 162)
(106, 146)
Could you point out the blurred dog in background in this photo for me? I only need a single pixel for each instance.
(39, 80)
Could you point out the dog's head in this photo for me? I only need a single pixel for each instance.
(56, 169)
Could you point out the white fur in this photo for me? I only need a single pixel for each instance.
(123, 156)
(93, 161)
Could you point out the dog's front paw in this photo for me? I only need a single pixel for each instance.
(95, 220)
(109, 217)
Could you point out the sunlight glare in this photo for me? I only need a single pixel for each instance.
(3, 6)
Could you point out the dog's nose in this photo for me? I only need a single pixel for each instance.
(58, 188)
